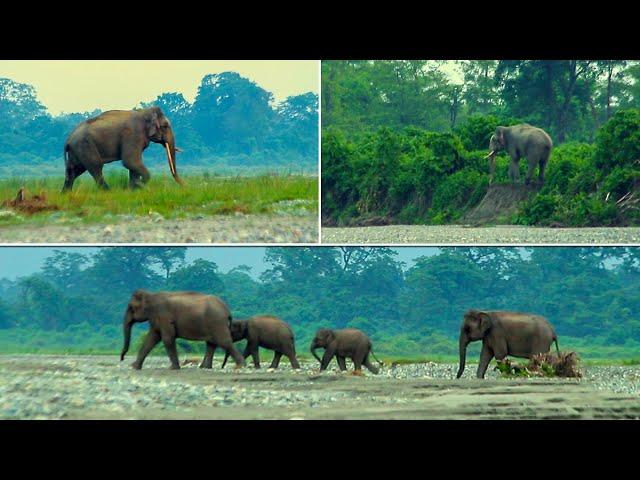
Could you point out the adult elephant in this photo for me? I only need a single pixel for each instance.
(265, 331)
(118, 135)
(172, 315)
(521, 141)
(348, 342)
(504, 333)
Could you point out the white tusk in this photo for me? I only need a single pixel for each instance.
(171, 166)
(490, 153)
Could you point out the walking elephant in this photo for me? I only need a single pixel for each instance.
(348, 342)
(521, 141)
(118, 135)
(171, 315)
(502, 333)
(265, 331)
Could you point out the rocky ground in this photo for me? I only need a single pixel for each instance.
(238, 228)
(101, 387)
(394, 234)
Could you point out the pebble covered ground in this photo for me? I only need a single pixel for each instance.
(393, 234)
(237, 228)
(59, 387)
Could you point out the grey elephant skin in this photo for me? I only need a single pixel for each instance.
(268, 332)
(118, 135)
(346, 343)
(521, 141)
(504, 333)
(172, 315)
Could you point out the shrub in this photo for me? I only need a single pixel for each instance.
(618, 141)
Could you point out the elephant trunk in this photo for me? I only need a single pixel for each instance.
(170, 146)
(313, 352)
(226, 357)
(463, 353)
(127, 324)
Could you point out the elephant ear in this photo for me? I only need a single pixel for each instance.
(500, 135)
(153, 121)
(331, 336)
(485, 322)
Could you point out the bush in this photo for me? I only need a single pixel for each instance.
(456, 193)
(538, 210)
(618, 141)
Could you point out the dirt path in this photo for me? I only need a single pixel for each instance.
(103, 388)
(216, 229)
(401, 234)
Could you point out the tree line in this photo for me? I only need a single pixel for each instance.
(233, 124)
(76, 302)
(403, 141)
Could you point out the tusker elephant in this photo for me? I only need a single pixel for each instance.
(118, 135)
(265, 331)
(521, 141)
(171, 315)
(504, 333)
(348, 342)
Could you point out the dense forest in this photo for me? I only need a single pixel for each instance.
(77, 300)
(406, 139)
(233, 125)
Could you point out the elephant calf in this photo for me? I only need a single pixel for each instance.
(504, 333)
(267, 332)
(348, 342)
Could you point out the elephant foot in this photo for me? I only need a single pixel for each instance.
(174, 367)
(358, 373)
(136, 366)
(202, 365)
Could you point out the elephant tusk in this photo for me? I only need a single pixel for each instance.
(490, 153)
(179, 150)
(172, 167)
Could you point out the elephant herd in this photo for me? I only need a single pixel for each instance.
(197, 316)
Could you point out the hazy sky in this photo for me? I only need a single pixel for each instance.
(84, 85)
(21, 261)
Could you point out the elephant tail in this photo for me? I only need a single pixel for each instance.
(65, 153)
(374, 356)
(557, 347)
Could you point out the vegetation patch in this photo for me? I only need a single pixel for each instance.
(564, 364)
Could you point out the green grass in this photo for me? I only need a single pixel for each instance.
(201, 195)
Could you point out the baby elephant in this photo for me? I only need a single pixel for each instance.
(348, 342)
(267, 332)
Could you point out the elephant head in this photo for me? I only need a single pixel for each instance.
(239, 330)
(496, 143)
(158, 130)
(475, 326)
(323, 338)
(135, 313)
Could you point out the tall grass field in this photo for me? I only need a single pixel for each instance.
(200, 195)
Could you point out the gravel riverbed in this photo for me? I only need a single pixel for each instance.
(394, 234)
(238, 228)
(101, 387)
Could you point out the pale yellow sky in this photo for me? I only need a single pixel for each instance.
(83, 85)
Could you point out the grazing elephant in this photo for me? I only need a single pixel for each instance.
(504, 333)
(118, 135)
(521, 141)
(349, 342)
(267, 332)
(171, 315)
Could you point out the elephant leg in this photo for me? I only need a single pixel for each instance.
(150, 341)
(294, 361)
(132, 160)
(172, 351)
(207, 361)
(543, 164)
(134, 179)
(341, 363)
(485, 357)
(231, 350)
(255, 354)
(514, 171)
(71, 173)
(367, 363)
(96, 173)
(276, 360)
(530, 167)
(328, 355)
